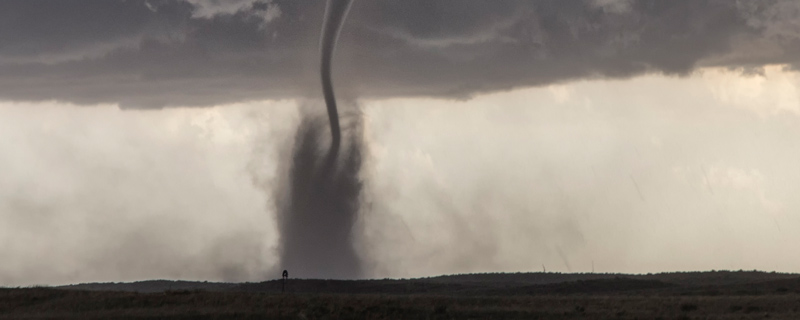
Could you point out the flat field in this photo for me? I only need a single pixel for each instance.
(706, 295)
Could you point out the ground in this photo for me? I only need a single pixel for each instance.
(707, 295)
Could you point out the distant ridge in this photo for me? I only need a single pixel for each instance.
(721, 277)
(151, 286)
(490, 284)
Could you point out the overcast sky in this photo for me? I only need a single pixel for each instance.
(142, 139)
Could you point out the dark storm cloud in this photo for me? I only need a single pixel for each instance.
(50, 31)
(156, 53)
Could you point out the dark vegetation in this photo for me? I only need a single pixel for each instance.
(707, 295)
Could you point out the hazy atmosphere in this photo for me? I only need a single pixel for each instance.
(159, 139)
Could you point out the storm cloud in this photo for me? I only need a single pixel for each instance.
(144, 54)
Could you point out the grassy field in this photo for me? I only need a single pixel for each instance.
(743, 295)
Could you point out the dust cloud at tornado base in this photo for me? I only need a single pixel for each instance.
(318, 202)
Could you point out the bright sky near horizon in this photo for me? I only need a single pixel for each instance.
(654, 173)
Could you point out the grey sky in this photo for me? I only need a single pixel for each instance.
(154, 53)
(642, 136)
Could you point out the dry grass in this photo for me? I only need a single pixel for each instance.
(45, 303)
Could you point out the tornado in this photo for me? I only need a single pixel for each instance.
(335, 13)
(319, 199)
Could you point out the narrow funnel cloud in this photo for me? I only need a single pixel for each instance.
(335, 13)
(318, 203)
